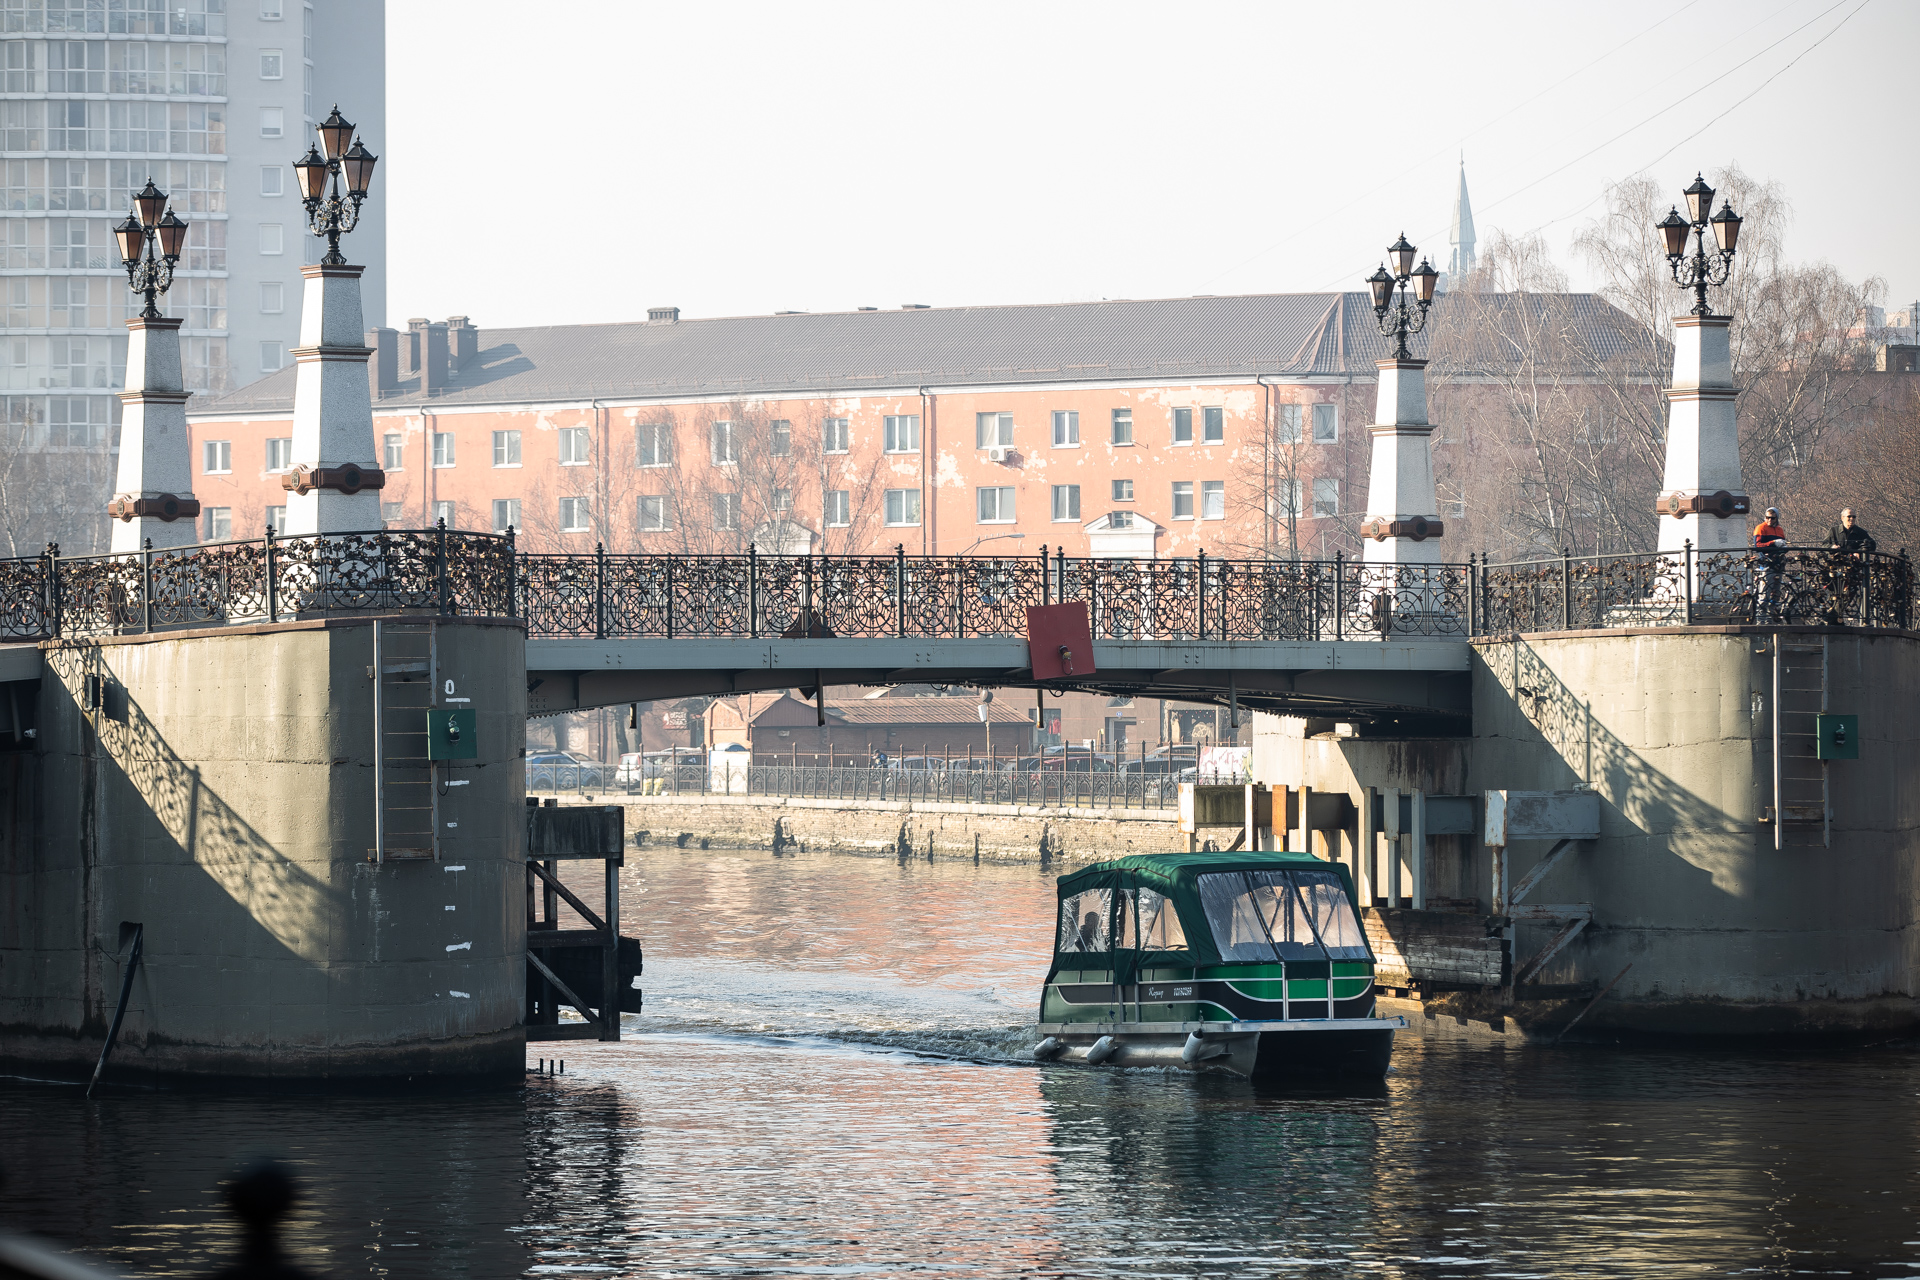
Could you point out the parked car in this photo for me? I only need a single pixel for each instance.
(566, 771)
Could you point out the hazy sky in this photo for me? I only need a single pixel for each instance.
(737, 158)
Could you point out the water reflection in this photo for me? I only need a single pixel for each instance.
(828, 1081)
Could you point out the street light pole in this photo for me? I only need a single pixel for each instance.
(1398, 320)
(329, 214)
(1701, 269)
(150, 241)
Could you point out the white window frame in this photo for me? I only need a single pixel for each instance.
(1066, 428)
(273, 239)
(722, 446)
(780, 441)
(1213, 424)
(273, 180)
(1071, 512)
(447, 509)
(219, 524)
(576, 515)
(576, 446)
(273, 298)
(662, 518)
(726, 511)
(277, 520)
(273, 122)
(1122, 491)
(782, 501)
(1119, 519)
(837, 511)
(273, 64)
(1182, 498)
(506, 449)
(1182, 414)
(509, 508)
(1329, 411)
(273, 356)
(1290, 498)
(661, 436)
(216, 457)
(1122, 418)
(993, 430)
(444, 451)
(902, 435)
(1292, 427)
(393, 451)
(903, 508)
(272, 10)
(1326, 497)
(1000, 504)
(285, 449)
(1213, 500)
(835, 437)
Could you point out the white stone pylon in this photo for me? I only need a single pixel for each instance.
(153, 487)
(333, 449)
(1401, 526)
(1702, 500)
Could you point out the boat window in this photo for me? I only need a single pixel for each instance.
(1083, 921)
(1126, 940)
(1159, 923)
(1326, 901)
(1235, 916)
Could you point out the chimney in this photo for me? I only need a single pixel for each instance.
(433, 373)
(412, 350)
(383, 368)
(463, 342)
(663, 315)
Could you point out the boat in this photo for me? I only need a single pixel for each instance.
(1253, 963)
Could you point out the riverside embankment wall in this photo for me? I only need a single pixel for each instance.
(1673, 728)
(217, 787)
(1001, 833)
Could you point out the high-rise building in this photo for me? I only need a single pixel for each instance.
(213, 100)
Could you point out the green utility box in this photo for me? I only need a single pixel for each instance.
(452, 734)
(1839, 738)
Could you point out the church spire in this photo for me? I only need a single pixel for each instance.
(1462, 236)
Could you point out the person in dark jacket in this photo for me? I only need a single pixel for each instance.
(1849, 535)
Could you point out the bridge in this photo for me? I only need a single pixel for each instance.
(1336, 639)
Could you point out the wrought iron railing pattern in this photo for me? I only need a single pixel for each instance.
(605, 595)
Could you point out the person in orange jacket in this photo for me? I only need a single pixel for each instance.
(1770, 540)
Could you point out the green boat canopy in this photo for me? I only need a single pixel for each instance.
(1210, 908)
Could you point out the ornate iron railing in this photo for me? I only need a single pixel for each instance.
(445, 572)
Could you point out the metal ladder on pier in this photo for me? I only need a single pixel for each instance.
(1801, 814)
(406, 802)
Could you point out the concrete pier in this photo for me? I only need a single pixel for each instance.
(217, 787)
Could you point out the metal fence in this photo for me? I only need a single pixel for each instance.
(603, 595)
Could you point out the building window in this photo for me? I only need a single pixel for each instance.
(996, 505)
(1183, 499)
(1289, 499)
(726, 511)
(219, 524)
(272, 356)
(391, 513)
(834, 437)
(782, 438)
(506, 514)
(837, 508)
(1213, 425)
(216, 457)
(273, 122)
(653, 514)
(656, 444)
(783, 500)
(280, 453)
(724, 449)
(903, 436)
(1326, 423)
(270, 64)
(1123, 426)
(273, 180)
(273, 297)
(575, 451)
(1326, 497)
(1066, 502)
(1123, 491)
(992, 430)
(903, 506)
(1066, 428)
(573, 515)
(446, 513)
(270, 10)
(1290, 423)
(277, 520)
(1213, 500)
(506, 448)
(270, 238)
(443, 448)
(1119, 519)
(390, 446)
(1183, 426)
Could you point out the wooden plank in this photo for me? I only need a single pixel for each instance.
(538, 938)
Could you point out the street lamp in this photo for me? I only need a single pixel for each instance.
(328, 214)
(1396, 319)
(1702, 269)
(150, 241)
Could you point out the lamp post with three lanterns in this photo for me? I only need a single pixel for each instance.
(150, 241)
(1397, 319)
(1702, 269)
(329, 212)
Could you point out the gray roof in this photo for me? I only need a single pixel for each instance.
(857, 352)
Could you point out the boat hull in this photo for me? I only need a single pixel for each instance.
(1351, 1048)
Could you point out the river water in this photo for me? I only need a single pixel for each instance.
(828, 1081)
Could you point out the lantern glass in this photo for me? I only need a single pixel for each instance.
(1401, 254)
(358, 164)
(335, 133)
(1425, 279)
(1673, 231)
(1382, 285)
(131, 238)
(310, 171)
(149, 202)
(1699, 200)
(1726, 229)
(173, 236)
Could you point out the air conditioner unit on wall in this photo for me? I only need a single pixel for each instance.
(998, 454)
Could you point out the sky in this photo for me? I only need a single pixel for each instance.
(734, 159)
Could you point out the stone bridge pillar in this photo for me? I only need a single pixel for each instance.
(153, 488)
(335, 483)
(1702, 500)
(1401, 525)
